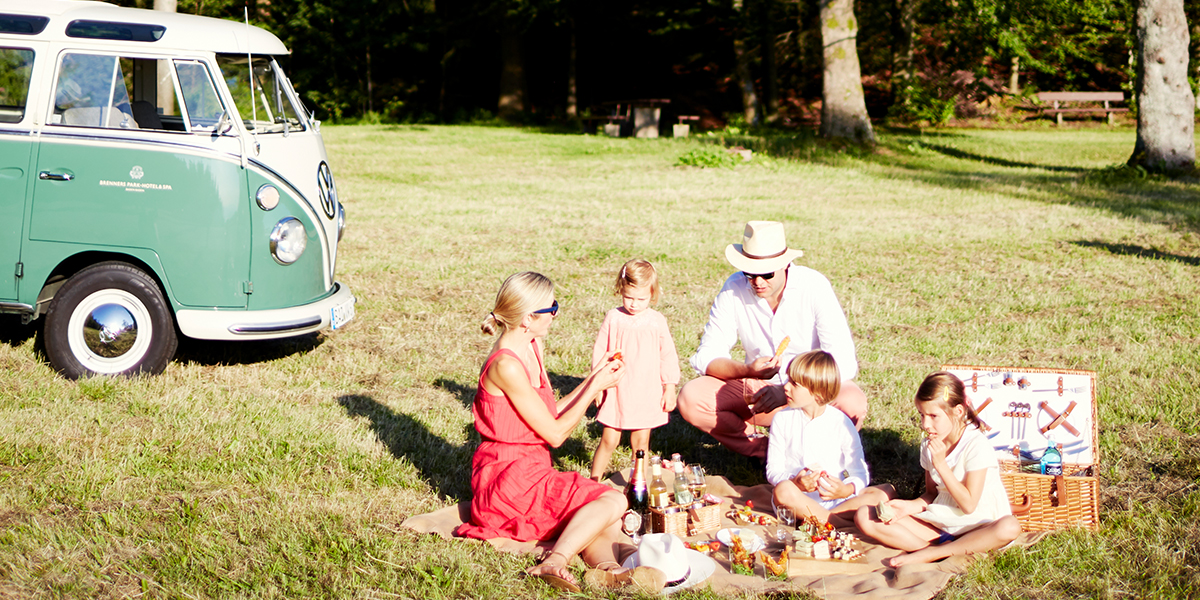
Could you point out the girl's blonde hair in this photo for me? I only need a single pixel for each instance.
(638, 272)
(948, 391)
(519, 295)
(817, 372)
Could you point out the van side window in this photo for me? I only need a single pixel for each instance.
(204, 109)
(91, 92)
(270, 108)
(16, 64)
(116, 92)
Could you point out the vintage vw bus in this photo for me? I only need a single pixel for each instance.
(158, 174)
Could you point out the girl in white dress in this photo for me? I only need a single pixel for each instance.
(964, 508)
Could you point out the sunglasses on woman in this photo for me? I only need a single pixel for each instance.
(766, 276)
(553, 310)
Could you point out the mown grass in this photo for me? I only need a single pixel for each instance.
(283, 469)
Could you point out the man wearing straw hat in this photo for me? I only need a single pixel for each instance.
(767, 301)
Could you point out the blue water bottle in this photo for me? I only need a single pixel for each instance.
(1051, 463)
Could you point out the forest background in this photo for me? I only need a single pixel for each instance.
(440, 61)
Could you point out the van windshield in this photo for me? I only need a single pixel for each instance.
(271, 108)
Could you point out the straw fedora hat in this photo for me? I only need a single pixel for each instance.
(683, 566)
(763, 249)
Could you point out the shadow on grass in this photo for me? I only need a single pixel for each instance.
(893, 460)
(13, 333)
(464, 394)
(1125, 192)
(445, 466)
(991, 160)
(222, 353)
(1140, 252)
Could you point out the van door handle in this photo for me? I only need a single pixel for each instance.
(55, 176)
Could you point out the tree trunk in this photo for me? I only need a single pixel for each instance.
(745, 79)
(1165, 103)
(512, 73)
(572, 90)
(771, 90)
(902, 60)
(1014, 77)
(843, 108)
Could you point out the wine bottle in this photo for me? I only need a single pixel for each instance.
(634, 521)
(660, 496)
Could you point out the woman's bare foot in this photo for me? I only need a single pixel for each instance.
(554, 571)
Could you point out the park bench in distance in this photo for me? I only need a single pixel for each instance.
(1075, 97)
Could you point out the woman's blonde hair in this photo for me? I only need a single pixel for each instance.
(519, 295)
(948, 391)
(817, 372)
(638, 272)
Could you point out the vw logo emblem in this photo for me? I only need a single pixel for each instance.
(327, 190)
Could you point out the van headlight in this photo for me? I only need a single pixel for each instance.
(288, 240)
(341, 220)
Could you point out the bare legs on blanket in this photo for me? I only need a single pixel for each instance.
(593, 532)
(916, 537)
(788, 494)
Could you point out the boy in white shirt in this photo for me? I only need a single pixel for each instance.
(814, 455)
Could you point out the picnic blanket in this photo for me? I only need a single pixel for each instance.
(833, 580)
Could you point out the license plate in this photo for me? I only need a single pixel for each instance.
(341, 314)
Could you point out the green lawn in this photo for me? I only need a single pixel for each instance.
(283, 469)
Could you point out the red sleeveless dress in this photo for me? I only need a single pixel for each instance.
(517, 492)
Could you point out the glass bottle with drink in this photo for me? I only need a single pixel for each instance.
(660, 496)
(683, 494)
(635, 520)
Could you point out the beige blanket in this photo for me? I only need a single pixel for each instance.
(829, 579)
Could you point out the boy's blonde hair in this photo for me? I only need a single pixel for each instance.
(817, 372)
(638, 272)
(519, 295)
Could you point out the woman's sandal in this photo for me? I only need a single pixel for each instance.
(556, 581)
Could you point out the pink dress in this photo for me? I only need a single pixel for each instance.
(517, 492)
(650, 361)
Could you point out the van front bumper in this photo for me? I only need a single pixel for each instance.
(336, 309)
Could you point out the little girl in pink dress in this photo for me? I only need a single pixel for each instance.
(644, 396)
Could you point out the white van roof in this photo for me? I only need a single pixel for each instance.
(183, 31)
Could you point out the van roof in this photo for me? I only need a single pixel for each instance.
(183, 31)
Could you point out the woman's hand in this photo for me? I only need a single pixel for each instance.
(609, 371)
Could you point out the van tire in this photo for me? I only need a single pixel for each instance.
(111, 292)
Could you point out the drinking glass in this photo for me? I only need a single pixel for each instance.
(787, 520)
(695, 481)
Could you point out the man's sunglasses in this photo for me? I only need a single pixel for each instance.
(553, 310)
(766, 276)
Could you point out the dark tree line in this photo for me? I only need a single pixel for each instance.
(756, 61)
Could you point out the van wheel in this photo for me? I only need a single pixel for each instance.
(109, 319)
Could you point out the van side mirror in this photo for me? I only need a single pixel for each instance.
(224, 124)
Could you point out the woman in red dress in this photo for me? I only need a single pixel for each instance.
(517, 492)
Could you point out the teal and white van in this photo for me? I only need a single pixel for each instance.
(158, 176)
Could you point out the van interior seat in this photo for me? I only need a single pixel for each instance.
(146, 115)
(92, 116)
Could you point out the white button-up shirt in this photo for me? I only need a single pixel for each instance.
(809, 313)
(827, 443)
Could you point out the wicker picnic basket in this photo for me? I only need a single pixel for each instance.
(1041, 502)
(685, 523)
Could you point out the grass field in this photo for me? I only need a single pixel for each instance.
(283, 469)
